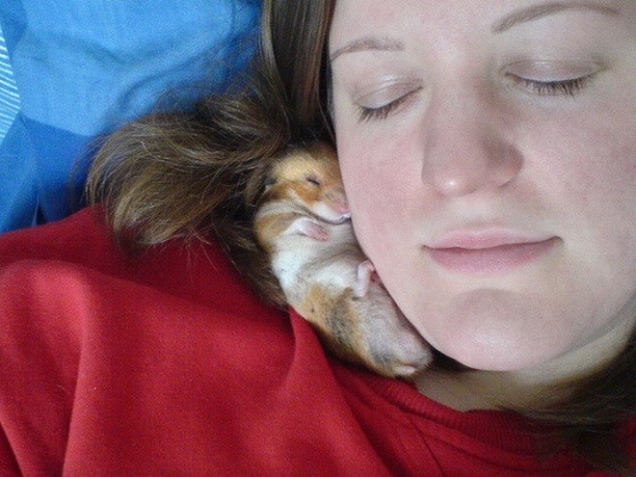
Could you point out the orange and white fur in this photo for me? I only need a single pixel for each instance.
(304, 225)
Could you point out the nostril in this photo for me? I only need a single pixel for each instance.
(338, 202)
(343, 209)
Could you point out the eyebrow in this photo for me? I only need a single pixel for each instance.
(535, 12)
(369, 44)
(543, 10)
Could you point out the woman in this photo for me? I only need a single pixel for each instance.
(488, 156)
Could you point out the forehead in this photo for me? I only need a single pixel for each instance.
(374, 16)
(383, 20)
(298, 164)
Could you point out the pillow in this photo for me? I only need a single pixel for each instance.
(83, 67)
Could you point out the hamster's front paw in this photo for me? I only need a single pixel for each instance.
(311, 229)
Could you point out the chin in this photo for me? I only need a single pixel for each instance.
(497, 330)
(509, 349)
(497, 358)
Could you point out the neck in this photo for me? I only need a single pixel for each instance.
(485, 390)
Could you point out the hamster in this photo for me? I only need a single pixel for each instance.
(304, 225)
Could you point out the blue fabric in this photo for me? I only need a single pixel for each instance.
(18, 173)
(9, 98)
(83, 67)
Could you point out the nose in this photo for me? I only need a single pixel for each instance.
(466, 148)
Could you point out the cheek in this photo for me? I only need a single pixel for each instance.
(594, 181)
(382, 183)
(587, 184)
(590, 153)
(608, 191)
(602, 173)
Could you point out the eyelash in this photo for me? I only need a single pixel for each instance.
(376, 114)
(543, 88)
(553, 88)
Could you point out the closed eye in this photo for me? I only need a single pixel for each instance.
(382, 112)
(313, 180)
(569, 87)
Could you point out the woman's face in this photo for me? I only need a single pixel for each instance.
(488, 149)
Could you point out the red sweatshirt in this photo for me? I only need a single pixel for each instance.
(164, 363)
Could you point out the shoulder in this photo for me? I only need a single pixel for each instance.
(75, 263)
(197, 271)
(69, 280)
(75, 238)
(153, 354)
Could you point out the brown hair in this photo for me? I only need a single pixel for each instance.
(199, 173)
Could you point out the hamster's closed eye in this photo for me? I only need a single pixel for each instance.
(312, 179)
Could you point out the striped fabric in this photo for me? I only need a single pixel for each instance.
(9, 98)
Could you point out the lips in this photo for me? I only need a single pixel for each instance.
(488, 254)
